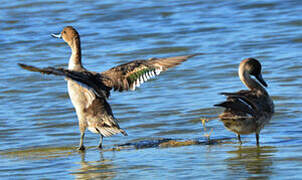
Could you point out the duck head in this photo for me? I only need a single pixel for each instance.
(253, 67)
(69, 35)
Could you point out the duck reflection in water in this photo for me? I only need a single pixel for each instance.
(251, 161)
(101, 169)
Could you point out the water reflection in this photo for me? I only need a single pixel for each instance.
(251, 160)
(101, 169)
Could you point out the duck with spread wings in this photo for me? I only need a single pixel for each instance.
(89, 90)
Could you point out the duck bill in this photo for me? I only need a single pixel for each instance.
(56, 36)
(261, 80)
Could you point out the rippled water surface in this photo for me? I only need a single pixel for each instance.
(38, 126)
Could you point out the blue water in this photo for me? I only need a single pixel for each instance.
(38, 126)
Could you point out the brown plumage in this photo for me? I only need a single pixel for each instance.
(247, 111)
(89, 91)
(130, 75)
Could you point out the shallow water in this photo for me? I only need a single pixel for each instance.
(38, 126)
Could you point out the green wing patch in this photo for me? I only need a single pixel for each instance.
(137, 77)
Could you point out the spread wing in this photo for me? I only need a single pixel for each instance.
(123, 77)
(130, 75)
(90, 80)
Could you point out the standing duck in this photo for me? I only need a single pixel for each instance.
(247, 111)
(89, 91)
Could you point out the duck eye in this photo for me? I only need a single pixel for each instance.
(64, 32)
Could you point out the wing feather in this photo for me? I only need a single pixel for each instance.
(240, 102)
(130, 75)
(91, 81)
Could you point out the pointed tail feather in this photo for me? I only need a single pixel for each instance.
(109, 131)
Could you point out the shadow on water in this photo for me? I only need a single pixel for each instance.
(252, 160)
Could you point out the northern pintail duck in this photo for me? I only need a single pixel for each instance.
(247, 111)
(89, 91)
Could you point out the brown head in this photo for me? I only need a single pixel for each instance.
(69, 35)
(253, 67)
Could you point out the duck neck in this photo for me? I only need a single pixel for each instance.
(248, 81)
(75, 62)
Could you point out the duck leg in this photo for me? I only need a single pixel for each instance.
(101, 142)
(239, 139)
(257, 139)
(81, 146)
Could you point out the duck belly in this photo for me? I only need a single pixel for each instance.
(239, 124)
(76, 95)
